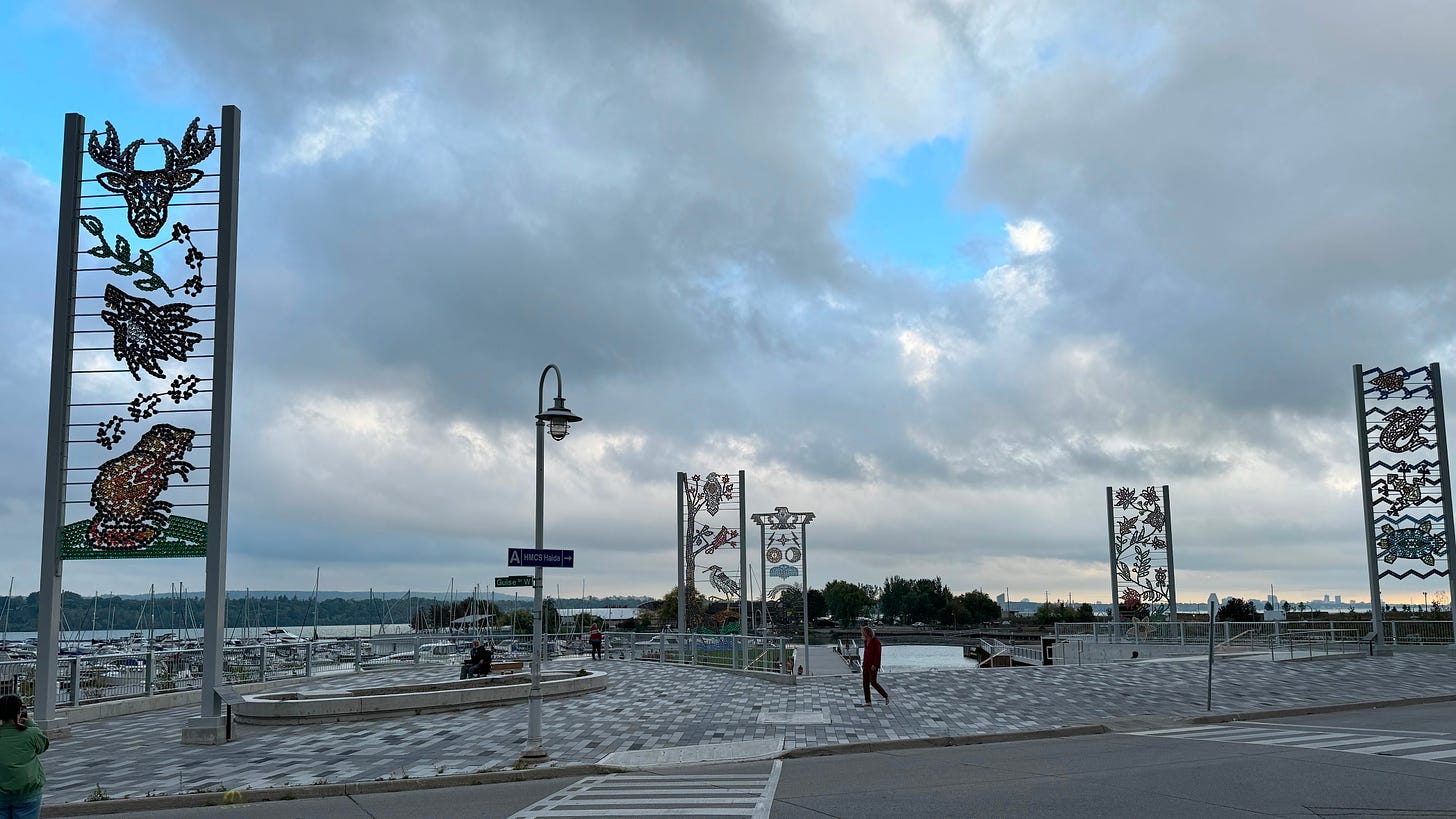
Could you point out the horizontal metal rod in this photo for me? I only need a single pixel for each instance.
(123, 207)
(125, 403)
(174, 506)
(115, 195)
(93, 440)
(95, 468)
(154, 412)
(201, 128)
(88, 483)
(98, 315)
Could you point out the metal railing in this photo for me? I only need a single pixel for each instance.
(90, 678)
(1024, 654)
(1296, 644)
(770, 654)
(1257, 634)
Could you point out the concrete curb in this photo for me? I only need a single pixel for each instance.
(940, 742)
(218, 798)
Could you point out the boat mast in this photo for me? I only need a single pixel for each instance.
(6, 639)
(316, 575)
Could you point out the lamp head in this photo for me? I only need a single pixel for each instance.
(558, 419)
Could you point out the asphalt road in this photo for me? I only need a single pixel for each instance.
(1261, 768)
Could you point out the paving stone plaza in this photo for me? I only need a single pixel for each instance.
(651, 706)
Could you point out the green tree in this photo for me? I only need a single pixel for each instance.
(794, 609)
(1238, 610)
(848, 600)
(922, 600)
(520, 620)
(977, 607)
(667, 612)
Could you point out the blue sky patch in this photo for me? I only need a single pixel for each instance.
(909, 217)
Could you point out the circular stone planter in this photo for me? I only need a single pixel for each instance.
(302, 707)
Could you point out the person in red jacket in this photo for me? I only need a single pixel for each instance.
(869, 666)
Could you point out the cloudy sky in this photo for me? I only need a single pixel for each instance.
(939, 272)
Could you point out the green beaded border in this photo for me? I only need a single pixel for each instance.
(183, 537)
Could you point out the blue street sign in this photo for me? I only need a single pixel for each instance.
(556, 558)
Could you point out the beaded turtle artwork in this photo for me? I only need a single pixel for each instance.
(1413, 543)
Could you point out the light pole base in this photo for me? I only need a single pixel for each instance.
(54, 728)
(205, 731)
(533, 756)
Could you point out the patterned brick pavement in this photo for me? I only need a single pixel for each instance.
(650, 706)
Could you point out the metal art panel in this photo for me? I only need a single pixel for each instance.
(783, 543)
(1138, 530)
(1405, 475)
(145, 344)
(709, 552)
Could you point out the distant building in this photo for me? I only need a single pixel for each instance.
(1327, 598)
(1337, 599)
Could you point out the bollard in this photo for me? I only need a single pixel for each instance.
(1212, 608)
(76, 680)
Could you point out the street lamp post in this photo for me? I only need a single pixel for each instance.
(559, 420)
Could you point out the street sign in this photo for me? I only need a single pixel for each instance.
(515, 580)
(556, 558)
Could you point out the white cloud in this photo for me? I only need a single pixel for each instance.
(343, 128)
(1030, 237)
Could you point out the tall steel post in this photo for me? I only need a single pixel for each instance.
(743, 616)
(533, 698)
(1371, 563)
(804, 567)
(763, 579)
(53, 516)
(1112, 562)
(1446, 503)
(1168, 540)
(682, 546)
(210, 726)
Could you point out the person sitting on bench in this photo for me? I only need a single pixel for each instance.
(478, 665)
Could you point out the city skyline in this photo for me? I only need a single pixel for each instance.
(940, 272)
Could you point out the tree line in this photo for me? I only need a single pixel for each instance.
(900, 601)
(175, 613)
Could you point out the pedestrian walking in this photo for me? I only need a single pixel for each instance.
(21, 777)
(595, 638)
(869, 666)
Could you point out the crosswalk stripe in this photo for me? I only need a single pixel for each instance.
(1297, 739)
(1302, 737)
(1432, 756)
(1401, 746)
(1239, 733)
(743, 795)
(1335, 743)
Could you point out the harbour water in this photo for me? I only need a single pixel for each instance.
(923, 658)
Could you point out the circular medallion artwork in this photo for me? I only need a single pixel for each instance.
(792, 554)
(774, 554)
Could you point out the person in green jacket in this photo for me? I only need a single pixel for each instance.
(21, 776)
